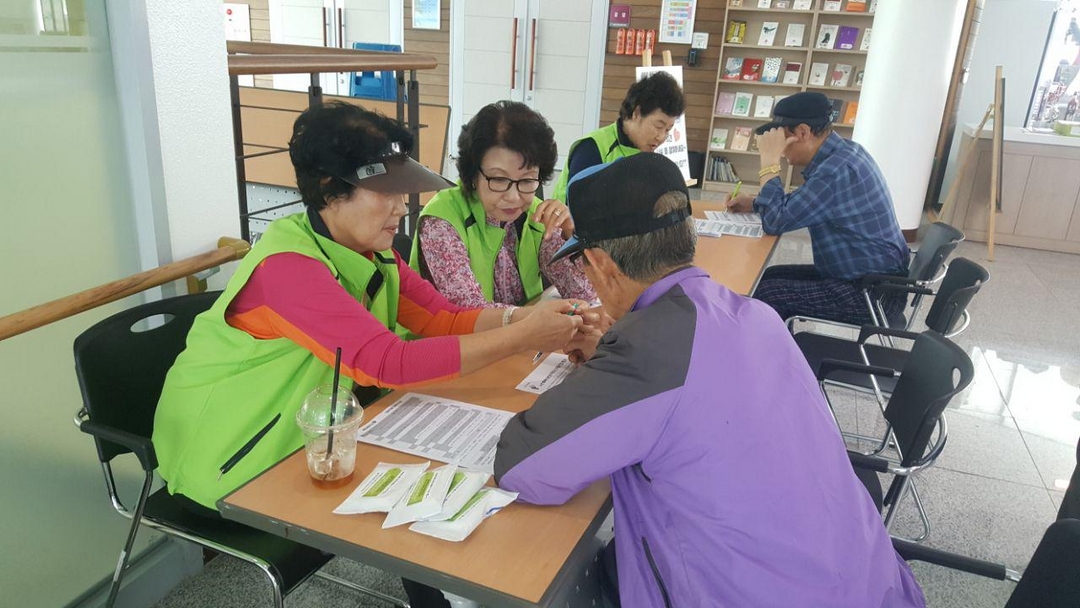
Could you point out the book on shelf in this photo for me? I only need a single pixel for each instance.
(850, 111)
(720, 170)
(841, 74)
(847, 37)
(782, 5)
(718, 141)
(724, 103)
(818, 73)
(733, 68)
(735, 3)
(740, 139)
(792, 72)
(736, 32)
(826, 37)
(858, 78)
(753, 143)
(873, 6)
(764, 3)
(856, 6)
(751, 69)
(803, 5)
(770, 70)
(837, 109)
(865, 46)
(832, 6)
(741, 106)
(768, 33)
(763, 107)
(794, 35)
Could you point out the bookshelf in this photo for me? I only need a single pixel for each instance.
(849, 28)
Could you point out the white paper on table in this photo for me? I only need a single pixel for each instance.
(551, 372)
(734, 218)
(736, 224)
(708, 228)
(441, 429)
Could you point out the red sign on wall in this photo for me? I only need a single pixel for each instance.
(619, 15)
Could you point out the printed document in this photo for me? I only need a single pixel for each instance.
(736, 224)
(549, 373)
(440, 429)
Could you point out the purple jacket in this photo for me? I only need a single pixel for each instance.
(730, 480)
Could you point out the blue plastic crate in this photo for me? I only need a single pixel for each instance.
(374, 85)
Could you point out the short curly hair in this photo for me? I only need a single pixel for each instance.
(512, 125)
(331, 140)
(657, 90)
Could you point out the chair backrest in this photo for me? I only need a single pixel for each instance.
(937, 245)
(926, 384)
(963, 280)
(403, 245)
(121, 371)
(374, 85)
(1052, 578)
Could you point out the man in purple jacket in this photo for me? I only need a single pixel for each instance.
(730, 480)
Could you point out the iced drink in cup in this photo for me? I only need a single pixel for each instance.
(330, 443)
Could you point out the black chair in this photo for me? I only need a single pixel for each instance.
(121, 363)
(1051, 580)
(403, 246)
(947, 315)
(935, 371)
(927, 267)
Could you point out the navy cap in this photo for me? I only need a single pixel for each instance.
(808, 108)
(616, 199)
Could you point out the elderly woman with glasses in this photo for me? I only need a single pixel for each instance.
(488, 241)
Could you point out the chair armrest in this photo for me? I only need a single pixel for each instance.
(914, 551)
(874, 280)
(829, 366)
(873, 330)
(866, 461)
(898, 288)
(142, 447)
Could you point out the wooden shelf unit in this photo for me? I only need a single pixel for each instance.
(745, 162)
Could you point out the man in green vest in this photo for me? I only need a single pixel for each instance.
(646, 116)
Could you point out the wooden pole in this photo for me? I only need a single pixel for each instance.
(229, 249)
(646, 58)
(667, 58)
(995, 162)
(967, 154)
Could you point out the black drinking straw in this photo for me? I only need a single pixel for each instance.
(333, 402)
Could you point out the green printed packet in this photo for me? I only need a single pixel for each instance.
(464, 485)
(424, 498)
(481, 505)
(382, 488)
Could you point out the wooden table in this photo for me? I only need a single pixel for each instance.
(524, 556)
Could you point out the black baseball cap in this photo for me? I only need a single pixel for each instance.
(616, 199)
(395, 172)
(809, 108)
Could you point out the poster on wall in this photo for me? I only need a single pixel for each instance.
(674, 147)
(426, 14)
(677, 21)
(238, 27)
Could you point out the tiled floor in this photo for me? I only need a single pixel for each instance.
(997, 485)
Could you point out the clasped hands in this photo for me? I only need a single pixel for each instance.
(570, 326)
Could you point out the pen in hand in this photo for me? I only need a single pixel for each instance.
(247, 447)
(540, 354)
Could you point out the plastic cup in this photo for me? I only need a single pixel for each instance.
(330, 444)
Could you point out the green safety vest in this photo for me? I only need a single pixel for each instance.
(227, 385)
(607, 142)
(483, 241)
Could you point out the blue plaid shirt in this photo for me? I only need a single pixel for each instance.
(846, 205)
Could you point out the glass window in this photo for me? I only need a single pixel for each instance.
(1057, 89)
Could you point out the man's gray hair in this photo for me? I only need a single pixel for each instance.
(648, 257)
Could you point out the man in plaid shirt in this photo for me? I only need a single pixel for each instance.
(844, 202)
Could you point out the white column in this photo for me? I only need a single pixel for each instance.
(903, 96)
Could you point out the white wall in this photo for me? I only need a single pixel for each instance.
(903, 95)
(1012, 34)
(112, 162)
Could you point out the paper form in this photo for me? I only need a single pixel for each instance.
(711, 228)
(549, 373)
(737, 224)
(440, 429)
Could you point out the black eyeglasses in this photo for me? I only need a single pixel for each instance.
(502, 184)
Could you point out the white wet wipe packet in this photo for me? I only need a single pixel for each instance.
(480, 506)
(382, 488)
(464, 485)
(424, 498)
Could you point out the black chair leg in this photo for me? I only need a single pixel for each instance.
(121, 564)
